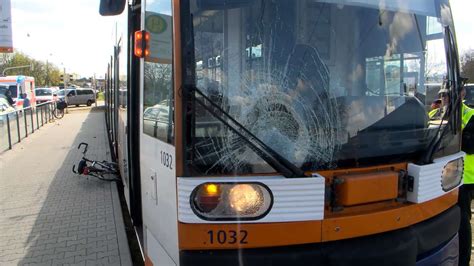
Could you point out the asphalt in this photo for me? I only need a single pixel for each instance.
(50, 216)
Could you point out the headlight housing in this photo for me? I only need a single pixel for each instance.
(451, 176)
(231, 201)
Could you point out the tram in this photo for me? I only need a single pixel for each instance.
(280, 132)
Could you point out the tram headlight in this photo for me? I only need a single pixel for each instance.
(231, 201)
(452, 173)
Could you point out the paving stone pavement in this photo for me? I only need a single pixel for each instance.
(50, 216)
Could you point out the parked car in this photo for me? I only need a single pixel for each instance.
(62, 94)
(78, 96)
(44, 95)
(156, 121)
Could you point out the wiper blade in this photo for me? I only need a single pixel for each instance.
(436, 141)
(454, 83)
(275, 160)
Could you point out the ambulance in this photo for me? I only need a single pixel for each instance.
(21, 88)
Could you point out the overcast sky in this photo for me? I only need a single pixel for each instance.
(72, 34)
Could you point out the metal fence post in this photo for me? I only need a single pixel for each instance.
(37, 119)
(42, 121)
(26, 123)
(18, 126)
(32, 121)
(50, 112)
(9, 134)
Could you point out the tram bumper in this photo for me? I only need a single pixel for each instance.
(432, 242)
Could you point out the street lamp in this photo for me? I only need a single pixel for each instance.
(17, 67)
(48, 80)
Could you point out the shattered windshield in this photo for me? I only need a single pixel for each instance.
(325, 84)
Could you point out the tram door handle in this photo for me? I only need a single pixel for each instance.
(154, 195)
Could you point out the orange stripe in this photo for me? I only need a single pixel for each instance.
(330, 174)
(197, 236)
(148, 261)
(384, 221)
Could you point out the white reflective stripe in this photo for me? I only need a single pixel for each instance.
(294, 199)
(427, 179)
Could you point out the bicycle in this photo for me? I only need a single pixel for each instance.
(95, 168)
(58, 109)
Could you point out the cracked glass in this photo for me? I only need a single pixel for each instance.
(325, 84)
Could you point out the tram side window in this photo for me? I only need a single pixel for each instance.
(158, 96)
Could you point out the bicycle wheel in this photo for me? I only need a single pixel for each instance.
(101, 174)
(58, 113)
(109, 165)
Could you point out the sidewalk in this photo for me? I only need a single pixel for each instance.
(50, 216)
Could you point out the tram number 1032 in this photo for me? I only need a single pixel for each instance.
(227, 237)
(166, 160)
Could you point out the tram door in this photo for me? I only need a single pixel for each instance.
(157, 138)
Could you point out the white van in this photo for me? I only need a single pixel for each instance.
(78, 96)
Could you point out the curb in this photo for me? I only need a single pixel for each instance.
(124, 250)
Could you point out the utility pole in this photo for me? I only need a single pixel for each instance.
(94, 85)
(47, 74)
(65, 87)
(65, 78)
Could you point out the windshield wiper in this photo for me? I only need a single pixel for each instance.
(275, 160)
(454, 83)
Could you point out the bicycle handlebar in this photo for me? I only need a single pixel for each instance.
(85, 149)
(74, 169)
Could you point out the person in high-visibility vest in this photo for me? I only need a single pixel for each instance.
(438, 113)
(467, 188)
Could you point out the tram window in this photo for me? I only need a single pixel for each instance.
(158, 94)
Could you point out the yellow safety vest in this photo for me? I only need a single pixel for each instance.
(468, 177)
(433, 113)
(466, 114)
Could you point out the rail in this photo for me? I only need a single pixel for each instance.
(17, 125)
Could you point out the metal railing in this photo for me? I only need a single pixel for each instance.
(17, 125)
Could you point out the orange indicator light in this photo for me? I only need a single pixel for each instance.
(212, 189)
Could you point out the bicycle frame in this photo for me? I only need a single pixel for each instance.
(95, 169)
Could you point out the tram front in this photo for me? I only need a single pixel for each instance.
(293, 132)
(308, 140)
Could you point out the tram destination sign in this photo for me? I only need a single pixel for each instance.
(6, 43)
(161, 45)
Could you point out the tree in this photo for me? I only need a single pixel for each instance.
(158, 83)
(467, 65)
(44, 74)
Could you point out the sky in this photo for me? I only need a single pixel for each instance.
(69, 33)
(72, 35)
